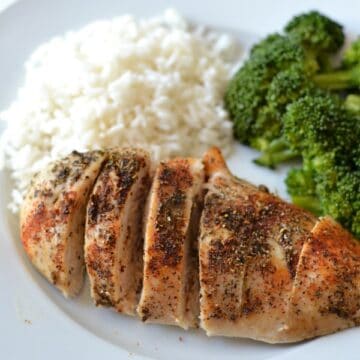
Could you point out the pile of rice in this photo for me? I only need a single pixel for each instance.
(155, 83)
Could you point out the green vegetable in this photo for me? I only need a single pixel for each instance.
(276, 152)
(251, 99)
(348, 76)
(352, 54)
(352, 103)
(318, 121)
(287, 86)
(318, 126)
(302, 189)
(280, 104)
(340, 79)
(319, 35)
(340, 197)
(278, 71)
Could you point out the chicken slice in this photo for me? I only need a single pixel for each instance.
(249, 247)
(326, 292)
(53, 215)
(113, 236)
(170, 286)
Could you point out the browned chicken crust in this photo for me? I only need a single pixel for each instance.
(250, 243)
(170, 287)
(266, 269)
(53, 215)
(113, 236)
(326, 292)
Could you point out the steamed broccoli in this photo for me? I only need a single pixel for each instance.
(256, 116)
(264, 43)
(317, 122)
(348, 76)
(279, 70)
(280, 104)
(318, 126)
(318, 34)
(340, 79)
(340, 197)
(244, 97)
(302, 189)
(287, 86)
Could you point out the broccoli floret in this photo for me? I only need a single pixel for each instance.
(317, 33)
(340, 198)
(277, 52)
(278, 106)
(266, 128)
(287, 86)
(264, 43)
(318, 122)
(325, 185)
(245, 98)
(352, 105)
(302, 189)
(318, 126)
(347, 77)
(278, 71)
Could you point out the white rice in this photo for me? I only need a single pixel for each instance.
(155, 83)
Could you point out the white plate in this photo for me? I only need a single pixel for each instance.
(36, 322)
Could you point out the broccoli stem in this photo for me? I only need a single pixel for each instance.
(259, 143)
(276, 152)
(339, 80)
(278, 144)
(271, 159)
(334, 81)
(263, 144)
(310, 203)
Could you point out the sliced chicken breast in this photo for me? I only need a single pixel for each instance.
(170, 286)
(264, 268)
(53, 216)
(113, 236)
(250, 243)
(326, 291)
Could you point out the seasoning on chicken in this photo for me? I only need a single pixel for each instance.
(326, 292)
(113, 236)
(170, 286)
(53, 215)
(265, 269)
(250, 243)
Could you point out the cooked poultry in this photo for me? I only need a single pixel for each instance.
(268, 270)
(250, 242)
(113, 235)
(326, 293)
(53, 215)
(170, 286)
